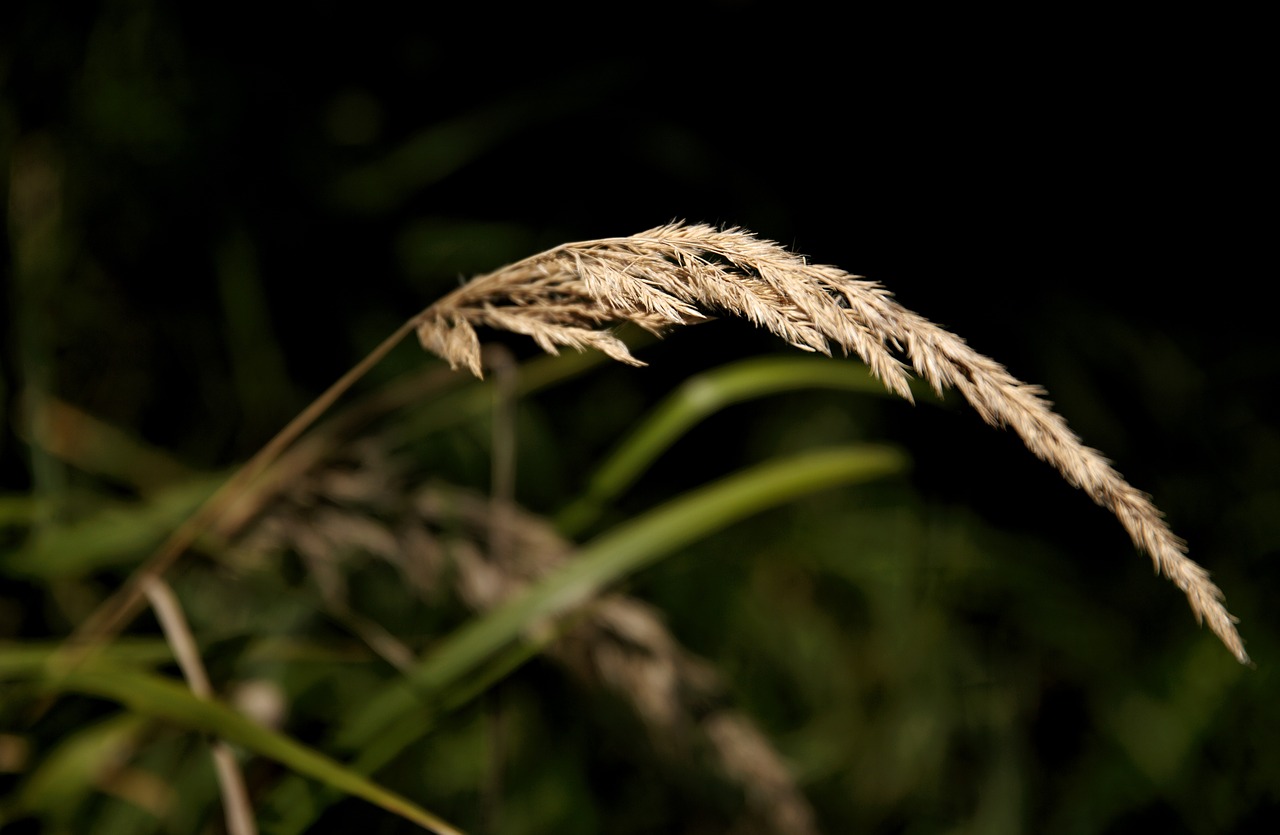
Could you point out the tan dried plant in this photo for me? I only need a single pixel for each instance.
(680, 274)
(440, 536)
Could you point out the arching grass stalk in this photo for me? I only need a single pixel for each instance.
(680, 274)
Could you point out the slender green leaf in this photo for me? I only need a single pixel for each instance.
(160, 698)
(295, 803)
(112, 537)
(495, 644)
(67, 776)
(17, 659)
(695, 400)
(624, 550)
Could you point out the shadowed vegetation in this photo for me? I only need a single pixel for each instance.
(736, 590)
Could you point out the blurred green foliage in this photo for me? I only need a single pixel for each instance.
(210, 215)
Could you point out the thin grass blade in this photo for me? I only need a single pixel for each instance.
(150, 695)
(698, 398)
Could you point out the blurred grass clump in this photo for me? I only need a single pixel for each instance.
(736, 591)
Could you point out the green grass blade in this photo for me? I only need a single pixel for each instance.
(110, 538)
(622, 551)
(19, 658)
(492, 646)
(295, 803)
(68, 775)
(695, 400)
(160, 698)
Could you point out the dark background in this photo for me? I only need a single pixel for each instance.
(1080, 194)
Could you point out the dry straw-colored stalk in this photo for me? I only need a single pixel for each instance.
(442, 537)
(679, 274)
